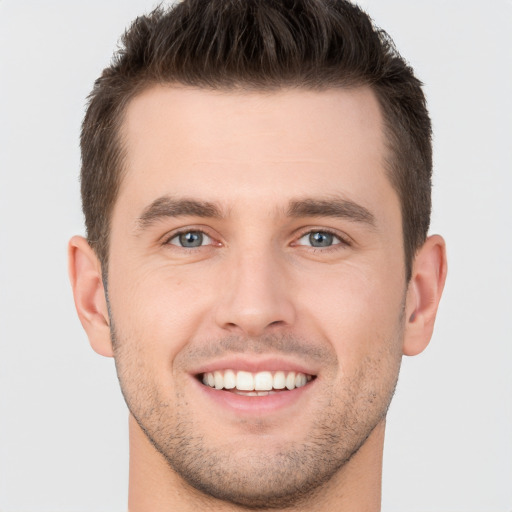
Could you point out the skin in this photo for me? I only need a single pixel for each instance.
(257, 290)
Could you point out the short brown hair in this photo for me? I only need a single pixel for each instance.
(259, 45)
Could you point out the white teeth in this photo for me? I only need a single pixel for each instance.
(261, 383)
(229, 379)
(255, 393)
(300, 380)
(290, 380)
(219, 380)
(279, 380)
(244, 381)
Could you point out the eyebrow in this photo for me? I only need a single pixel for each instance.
(165, 207)
(335, 207)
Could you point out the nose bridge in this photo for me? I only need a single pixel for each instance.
(255, 294)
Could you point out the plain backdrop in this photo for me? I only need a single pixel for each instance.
(63, 423)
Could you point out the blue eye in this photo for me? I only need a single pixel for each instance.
(190, 239)
(319, 239)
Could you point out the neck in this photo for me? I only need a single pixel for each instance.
(155, 487)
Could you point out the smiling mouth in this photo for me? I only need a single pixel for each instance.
(255, 384)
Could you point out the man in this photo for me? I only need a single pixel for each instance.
(256, 187)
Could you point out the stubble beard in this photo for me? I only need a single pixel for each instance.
(291, 475)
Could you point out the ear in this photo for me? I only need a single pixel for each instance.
(89, 294)
(423, 294)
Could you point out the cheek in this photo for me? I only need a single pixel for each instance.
(158, 308)
(356, 310)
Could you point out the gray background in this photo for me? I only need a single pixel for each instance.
(63, 423)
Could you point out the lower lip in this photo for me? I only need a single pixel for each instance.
(255, 404)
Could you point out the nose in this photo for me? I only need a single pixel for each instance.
(255, 296)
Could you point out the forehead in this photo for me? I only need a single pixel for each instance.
(235, 147)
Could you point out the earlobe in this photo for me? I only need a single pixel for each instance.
(89, 294)
(423, 294)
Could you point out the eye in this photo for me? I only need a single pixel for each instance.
(319, 239)
(190, 239)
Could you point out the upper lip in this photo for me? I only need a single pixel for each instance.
(255, 364)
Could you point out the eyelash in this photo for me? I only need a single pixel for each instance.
(167, 240)
(343, 240)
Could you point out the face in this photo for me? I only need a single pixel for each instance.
(256, 284)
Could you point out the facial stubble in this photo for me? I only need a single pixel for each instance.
(287, 475)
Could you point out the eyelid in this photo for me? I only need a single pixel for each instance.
(342, 237)
(345, 240)
(205, 241)
(166, 239)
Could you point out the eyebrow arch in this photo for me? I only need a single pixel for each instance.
(166, 206)
(336, 207)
